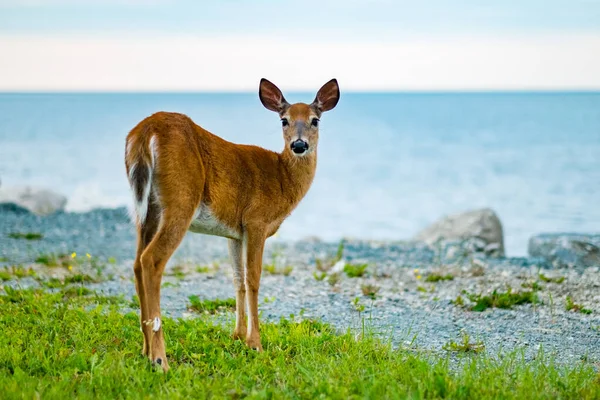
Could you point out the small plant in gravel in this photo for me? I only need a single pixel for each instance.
(459, 301)
(26, 236)
(423, 289)
(535, 285)
(71, 261)
(79, 278)
(465, 345)
(275, 270)
(319, 276)
(355, 270)
(51, 260)
(334, 278)
(202, 269)
(327, 263)
(572, 306)
(54, 283)
(178, 271)
(211, 306)
(357, 305)
(370, 290)
(437, 277)
(75, 291)
(16, 271)
(497, 299)
(278, 266)
(544, 278)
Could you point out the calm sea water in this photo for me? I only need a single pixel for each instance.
(389, 164)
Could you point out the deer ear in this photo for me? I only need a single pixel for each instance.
(271, 97)
(328, 96)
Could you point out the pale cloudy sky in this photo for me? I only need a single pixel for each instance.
(187, 45)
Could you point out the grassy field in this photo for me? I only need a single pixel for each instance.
(77, 344)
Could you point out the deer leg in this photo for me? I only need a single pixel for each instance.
(236, 248)
(174, 224)
(146, 232)
(255, 243)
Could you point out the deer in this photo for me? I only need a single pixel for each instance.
(184, 178)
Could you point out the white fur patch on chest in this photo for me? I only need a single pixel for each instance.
(207, 223)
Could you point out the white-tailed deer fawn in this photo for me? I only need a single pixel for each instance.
(185, 178)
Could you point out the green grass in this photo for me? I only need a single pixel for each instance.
(355, 270)
(437, 277)
(507, 299)
(5, 275)
(26, 236)
(55, 349)
(572, 306)
(465, 345)
(546, 279)
(211, 306)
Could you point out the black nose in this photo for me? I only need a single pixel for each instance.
(299, 146)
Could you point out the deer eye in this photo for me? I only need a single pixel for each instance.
(284, 122)
(314, 122)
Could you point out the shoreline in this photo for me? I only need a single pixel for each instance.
(408, 292)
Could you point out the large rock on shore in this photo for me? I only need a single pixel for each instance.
(38, 201)
(481, 226)
(566, 249)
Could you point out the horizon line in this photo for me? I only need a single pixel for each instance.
(592, 90)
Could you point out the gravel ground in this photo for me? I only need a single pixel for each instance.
(407, 309)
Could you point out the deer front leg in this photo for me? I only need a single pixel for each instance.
(255, 243)
(236, 249)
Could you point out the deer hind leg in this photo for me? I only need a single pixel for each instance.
(175, 221)
(255, 243)
(146, 232)
(236, 251)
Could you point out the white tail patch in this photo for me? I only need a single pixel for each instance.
(141, 202)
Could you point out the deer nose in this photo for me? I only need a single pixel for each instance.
(299, 146)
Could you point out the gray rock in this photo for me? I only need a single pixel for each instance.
(483, 225)
(566, 249)
(38, 201)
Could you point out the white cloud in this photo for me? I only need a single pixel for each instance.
(132, 63)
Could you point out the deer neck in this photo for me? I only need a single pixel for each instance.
(297, 174)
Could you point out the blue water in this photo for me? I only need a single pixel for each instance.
(389, 164)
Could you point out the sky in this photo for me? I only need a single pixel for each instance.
(228, 45)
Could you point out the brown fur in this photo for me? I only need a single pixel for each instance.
(249, 189)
